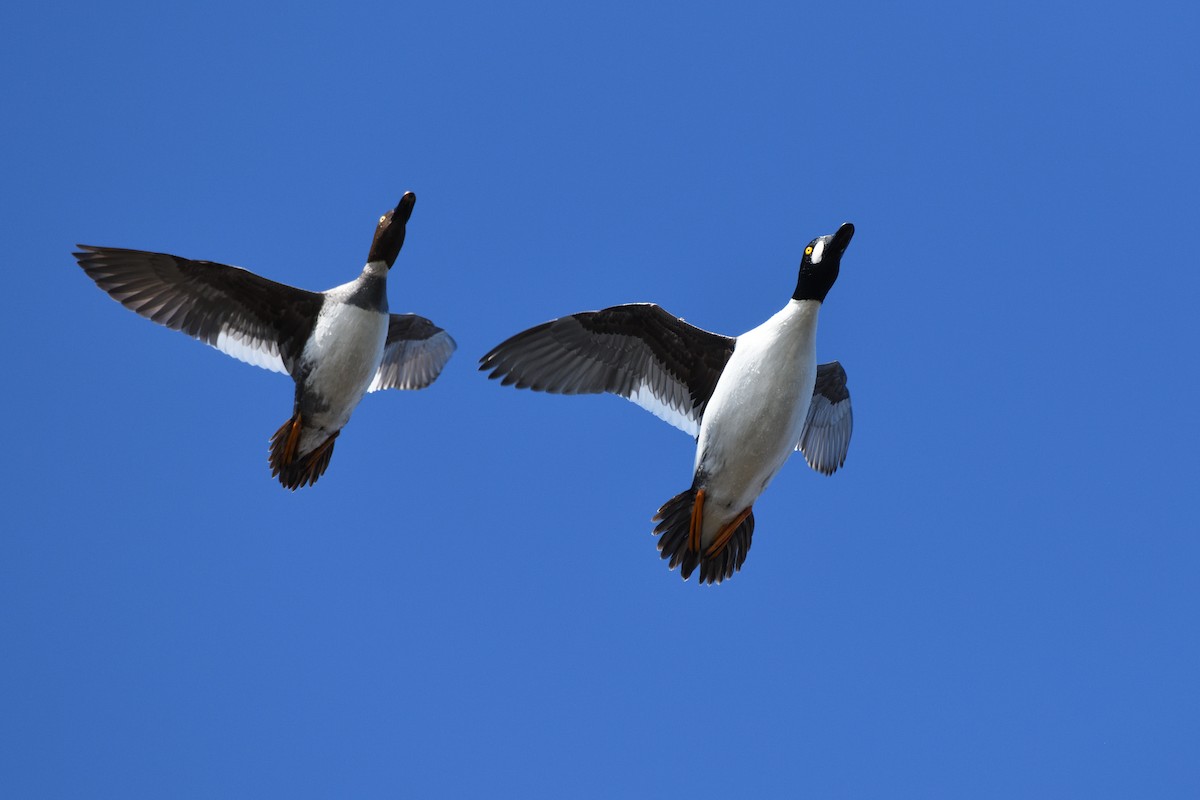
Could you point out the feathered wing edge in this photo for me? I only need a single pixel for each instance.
(825, 439)
(636, 351)
(246, 316)
(414, 354)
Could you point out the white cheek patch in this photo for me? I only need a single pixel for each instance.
(818, 251)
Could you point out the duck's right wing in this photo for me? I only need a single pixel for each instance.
(242, 314)
(637, 351)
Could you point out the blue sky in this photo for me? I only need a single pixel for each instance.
(996, 597)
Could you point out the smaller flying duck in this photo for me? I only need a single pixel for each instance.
(337, 345)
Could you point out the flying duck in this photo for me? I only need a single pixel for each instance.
(337, 344)
(751, 399)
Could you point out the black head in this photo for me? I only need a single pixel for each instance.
(389, 236)
(819, 267)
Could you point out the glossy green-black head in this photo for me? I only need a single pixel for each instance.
(389, 235)
(819, 267)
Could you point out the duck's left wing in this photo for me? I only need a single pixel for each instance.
(637, 351)
(413, 355)
(826, 435)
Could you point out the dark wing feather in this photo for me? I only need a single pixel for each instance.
(414, 354)
(246, 316)
(637, 351)
(826, 435)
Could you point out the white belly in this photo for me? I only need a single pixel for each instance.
(346, 348)
(754, 418)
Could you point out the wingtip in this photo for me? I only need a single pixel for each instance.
(83, 251)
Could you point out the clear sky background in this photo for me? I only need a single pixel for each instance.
(997, 596)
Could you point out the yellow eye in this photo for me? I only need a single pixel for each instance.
(808, 250)
(381, 219)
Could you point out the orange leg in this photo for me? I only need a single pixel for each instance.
(697, 523)
(293, 439)
(724, 535)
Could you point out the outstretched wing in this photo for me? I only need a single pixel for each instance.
(246, 316)
(637, 351)
(414, 354)
(826, 435)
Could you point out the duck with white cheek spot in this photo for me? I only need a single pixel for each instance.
(751, 400)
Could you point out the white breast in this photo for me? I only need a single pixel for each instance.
(345, 348)
(757, 410)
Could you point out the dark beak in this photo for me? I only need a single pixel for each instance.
(404, 208)
(842, 238)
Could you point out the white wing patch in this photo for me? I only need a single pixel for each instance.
(252, 350)
(661, 393)
(667, 409)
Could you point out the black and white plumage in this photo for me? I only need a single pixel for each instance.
(337, 344)
(750, 400)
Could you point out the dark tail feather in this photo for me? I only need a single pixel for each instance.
(295, 472)
(732, 555)
(674, 520)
